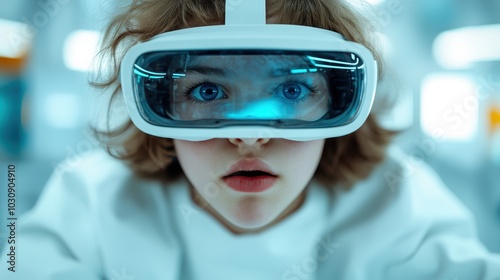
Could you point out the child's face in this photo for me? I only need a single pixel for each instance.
(248, 201)
(248, 87)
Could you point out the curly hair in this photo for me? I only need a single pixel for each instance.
(344, 160)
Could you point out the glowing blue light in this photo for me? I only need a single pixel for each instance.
(264, 109)
(178, 75)
(302, 71)
(139, 73)
(149, 72)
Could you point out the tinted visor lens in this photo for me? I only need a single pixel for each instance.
(275, 88)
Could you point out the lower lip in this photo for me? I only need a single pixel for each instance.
(250, 184)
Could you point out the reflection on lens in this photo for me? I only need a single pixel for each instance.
(251, 87)
(213, 88)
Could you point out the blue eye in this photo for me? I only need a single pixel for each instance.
(292, 90)
(207, 92)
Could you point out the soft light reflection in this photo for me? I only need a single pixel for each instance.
(449, 107)
(385, 43)
(495, 148)
(364, 3)
(375, 2)
(80, 49)
(460, 48)
(14, 42)
(62, 111)
(400, 116)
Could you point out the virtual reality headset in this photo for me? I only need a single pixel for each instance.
(248, 79)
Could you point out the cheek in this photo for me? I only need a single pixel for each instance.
(307, 151)
(195, 157)
(303, 157)
(195, 149)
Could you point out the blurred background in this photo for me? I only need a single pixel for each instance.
(443, 59)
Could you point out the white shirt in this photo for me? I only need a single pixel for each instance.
(97, 221)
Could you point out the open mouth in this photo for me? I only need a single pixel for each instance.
(250, 181)
(249, 173)
(250, 176)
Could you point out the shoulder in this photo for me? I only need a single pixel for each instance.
(103, 182)
(93, 165)
(61, 225)
(411, 179)
(404, 201)
(90, 214)
(76, 182)
(404, 210)
(432, 224)
(95, 173)
(406, 183)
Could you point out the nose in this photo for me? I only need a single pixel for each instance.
(248, 141)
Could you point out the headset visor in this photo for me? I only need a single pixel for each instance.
(285, 89)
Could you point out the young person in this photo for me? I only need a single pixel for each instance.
(251, 154)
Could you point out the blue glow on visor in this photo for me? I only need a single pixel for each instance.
(302, 71)
(263, 109)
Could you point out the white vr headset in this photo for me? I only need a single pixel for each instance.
(248, 79)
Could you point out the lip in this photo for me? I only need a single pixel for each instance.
(249, 184)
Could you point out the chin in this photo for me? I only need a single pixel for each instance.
(252, 215)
